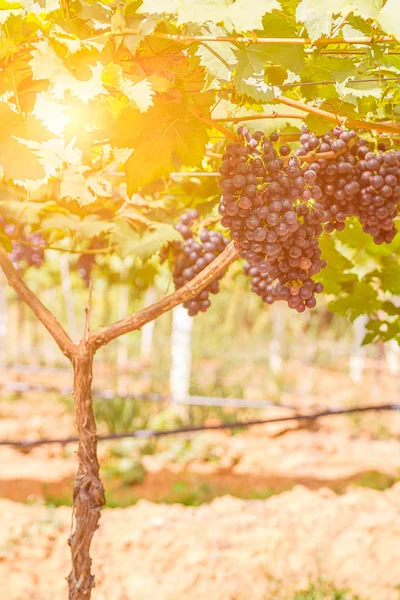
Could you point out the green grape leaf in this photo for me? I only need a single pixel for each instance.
(242, 15)
(363, 300)
(390, 308)
(168, 137)
(359, 90)
(146, 245)
(328, 68)
(143, 25)
(392, 60)
(320, 125)
(317, 15)
(336, 275)
(217, 57)
(46, 64)
(390, 279)
(20, 162)
(60, 222)
(388, 18)
(138, 90)
(316, 22)
(249, 76)
(15, 210)
(369, 338)
(92, 226)
(74, 187)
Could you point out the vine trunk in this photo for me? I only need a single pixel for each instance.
(88, 496)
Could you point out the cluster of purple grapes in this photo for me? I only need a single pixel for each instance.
(298, 297)
(276, 209)
(271, 208)
(24, 255)
(192, 255)
(378, 201)
(356, 182)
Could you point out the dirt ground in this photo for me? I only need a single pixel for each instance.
(227, 550)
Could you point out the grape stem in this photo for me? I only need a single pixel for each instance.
(337, 119)
(212, 123)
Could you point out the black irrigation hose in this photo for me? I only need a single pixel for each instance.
(149, 433)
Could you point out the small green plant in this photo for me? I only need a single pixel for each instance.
(375, 480)
(324, 591)
(121, 414)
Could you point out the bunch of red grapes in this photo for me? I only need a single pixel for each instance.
(357, 182)
(192, 255)
(276, 205)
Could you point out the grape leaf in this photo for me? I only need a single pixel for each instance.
(388, 18)
(146, 245)
(317, 15)
(249, 76)
(327, 68)
(392, 60)
(46, 64)
(390, 279)
(320, 125)
(73, 187)
(164, 137)
(92, 226)
(316, 23)
(217, 57)
(336, 275)
(138, 90)
(359, 90)
(143, 25)
(20, 162)
(363, 300)
(242, 15)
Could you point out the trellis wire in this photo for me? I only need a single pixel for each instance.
(156, 433)
(108, 394)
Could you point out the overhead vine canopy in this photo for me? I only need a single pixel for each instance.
(102, 101)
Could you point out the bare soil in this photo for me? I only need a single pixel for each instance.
(230, 549)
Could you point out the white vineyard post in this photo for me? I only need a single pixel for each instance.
(278, 319)
(392, 355)
(68, 297)
(49, 352)
(357, 356)
(146, 343)
(122, 348)
(181, 358)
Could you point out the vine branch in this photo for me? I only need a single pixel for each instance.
(15, 281)
(212, 123)
(338, 120)
(104, 335)
(190, 39)
(273, 115)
